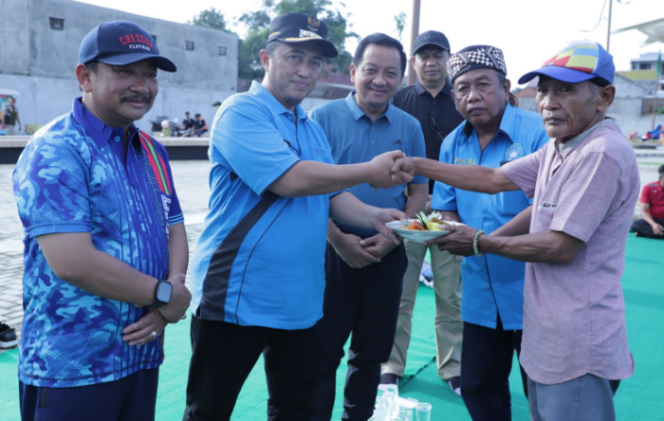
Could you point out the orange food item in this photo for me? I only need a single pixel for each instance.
(416, 226)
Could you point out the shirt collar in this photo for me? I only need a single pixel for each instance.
(272, 102)
(506, 124)
(99, 131)
(573, 143)
(420, 90)
(357, 112)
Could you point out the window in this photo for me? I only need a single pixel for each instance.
(189, 45)
(222, 51)
(57, 24)
(644, 66)
(154, 37)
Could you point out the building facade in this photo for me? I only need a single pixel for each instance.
(39, 55)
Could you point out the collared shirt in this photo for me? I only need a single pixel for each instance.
(354, 138)
(74, 176)
(418, 102)
(574, 313)
(491, 284)
(260, 259)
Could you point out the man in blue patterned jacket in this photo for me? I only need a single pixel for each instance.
(105, 244)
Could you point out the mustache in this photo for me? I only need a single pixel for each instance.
(137, 98)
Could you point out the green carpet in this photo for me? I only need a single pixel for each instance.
(639, 398)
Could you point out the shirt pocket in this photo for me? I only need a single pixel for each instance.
(323, 155)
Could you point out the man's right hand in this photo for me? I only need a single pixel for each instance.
(180, 300)
(657, 228)
(381, 176)
(349, 249)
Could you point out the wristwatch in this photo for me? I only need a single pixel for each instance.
(162, 293)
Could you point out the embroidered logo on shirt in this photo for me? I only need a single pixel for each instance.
(465, 161)
(398, 142)
(515, 151)
(548, 205)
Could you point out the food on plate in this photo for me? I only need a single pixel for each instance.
(425, 222)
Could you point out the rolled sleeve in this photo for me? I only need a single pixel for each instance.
(247, 137)
(587, 196)
(51, 188)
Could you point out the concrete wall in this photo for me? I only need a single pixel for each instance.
(39, 62)
(626, 111)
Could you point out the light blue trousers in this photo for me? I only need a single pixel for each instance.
(585, 398)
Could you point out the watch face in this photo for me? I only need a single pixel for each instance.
(163, 293)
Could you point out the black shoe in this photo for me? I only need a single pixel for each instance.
(455, 384)
(7, 337)
(387, 379)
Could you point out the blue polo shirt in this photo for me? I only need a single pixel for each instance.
(355, 138)
(491, 284)
(260, 259)
(74, 176)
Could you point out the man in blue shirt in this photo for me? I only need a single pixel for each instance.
(105, 245)
(495, 132)
(364, 270)
(258, 276)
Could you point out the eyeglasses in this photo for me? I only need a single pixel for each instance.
(433, 126)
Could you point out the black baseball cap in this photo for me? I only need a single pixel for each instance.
(120, 43)
(295, 27)
(435, 38)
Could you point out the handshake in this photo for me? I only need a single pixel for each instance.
(391, 169)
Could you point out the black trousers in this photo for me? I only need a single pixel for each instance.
(365, 302)
(487, 362)
(645, 230)
(224, 355)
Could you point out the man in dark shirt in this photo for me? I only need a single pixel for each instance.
(200, 126)
(188, 122)
(430, 102)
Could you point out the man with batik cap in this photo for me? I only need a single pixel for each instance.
(495, 132)
(105, 244)
(430, 102)
(258, 276)
(585, 182)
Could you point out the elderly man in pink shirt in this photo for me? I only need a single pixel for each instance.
(585, 183)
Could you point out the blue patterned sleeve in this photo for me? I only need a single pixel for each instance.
(51, 184)
(175, 215)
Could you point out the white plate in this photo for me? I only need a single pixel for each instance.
(416, 236)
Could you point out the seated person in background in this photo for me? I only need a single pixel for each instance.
(652, 209)
(188, 122)
(200, 126)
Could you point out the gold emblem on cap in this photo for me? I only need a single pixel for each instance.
(313, 23)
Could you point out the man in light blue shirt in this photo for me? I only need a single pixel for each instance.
(495, 132)
(258, 271)
(364, 272)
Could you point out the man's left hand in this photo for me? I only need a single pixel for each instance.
(140, 333)
(383, 216)
(458, 242)
(378, 245)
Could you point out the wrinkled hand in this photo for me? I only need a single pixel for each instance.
(349, 249)
(140, 333)
(403, 169)
(378, 245)
(458, 242)
(657, 229)
(382, 216)
(381, 176)
(180, 299)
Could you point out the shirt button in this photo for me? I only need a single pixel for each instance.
(373, 128)
(117, 138)
(372, 142)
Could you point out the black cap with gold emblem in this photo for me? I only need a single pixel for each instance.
(295, 27)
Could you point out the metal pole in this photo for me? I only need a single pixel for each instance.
(608, 31)
(414, 32)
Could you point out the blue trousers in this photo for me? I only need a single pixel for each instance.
(365, 302)
(132, 398)
(585, 398)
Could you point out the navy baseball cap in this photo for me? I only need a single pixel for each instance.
(577, 62)
(120, 43)
(435, 38)
(295, 27)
